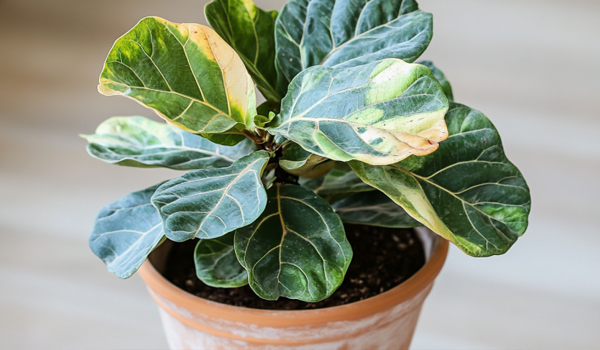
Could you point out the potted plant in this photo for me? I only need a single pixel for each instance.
(351, 132)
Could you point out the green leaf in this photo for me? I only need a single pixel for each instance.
(295, 160)
(225, 139)
(265, 114)
(379, 113)
(441, 78)
(297, 248)
(217, 264)
(347, 33)
(186, 73)
(339, 183)
(126, 231)
(251, 32)
(209, 203)
(468, 191)
(373, 208)
(141, 142)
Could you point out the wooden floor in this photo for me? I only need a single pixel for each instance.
(531, 66)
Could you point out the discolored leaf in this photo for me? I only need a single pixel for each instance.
(375, 209)
(184, 72)
(347, 33)
(209, 203)
(217, 265)
(441, 78)
(379, 113)
(295, 160)
(126, 231)
(297, 248)
(251, 32)
(141, 142)
(339, 183)
(468, 191)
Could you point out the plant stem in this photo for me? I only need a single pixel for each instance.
(256, 139)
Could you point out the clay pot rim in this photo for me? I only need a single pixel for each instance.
(286, 318)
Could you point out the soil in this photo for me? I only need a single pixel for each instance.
(383, 258)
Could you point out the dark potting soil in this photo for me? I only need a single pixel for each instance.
(383, 258)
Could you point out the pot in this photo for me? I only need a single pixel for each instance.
(385, 321)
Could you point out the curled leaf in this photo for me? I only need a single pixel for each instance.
(141, 142)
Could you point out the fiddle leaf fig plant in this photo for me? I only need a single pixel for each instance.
(351, 131)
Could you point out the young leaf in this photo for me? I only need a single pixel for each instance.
(126, 231)
(141, 142)
(347, 33)
(217, 264)
(295, 160)
(339, 183)
(373, 208)
(184, 72)
(379, 113)
(209, 203)
(297, 248)
(441, 78)
(468, 191)
(251, 32)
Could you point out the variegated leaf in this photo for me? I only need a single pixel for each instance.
(251, 32)
(296, 249)
(375, 209)
(295, 160)
(141, 142)
(441, 78)
(379, 113)
(184, 72)
(209, 203)
(126, 231)
(217, 265)
(347, 33)
(468, 191)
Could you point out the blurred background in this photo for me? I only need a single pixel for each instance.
(531, 66)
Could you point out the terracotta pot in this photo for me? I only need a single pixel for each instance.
(386, 321)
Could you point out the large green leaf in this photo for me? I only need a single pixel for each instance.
(251, 32)
(295, 160)
(441, 78)
(339, 183)
(468, 191)
(347, 33)
(141, 142)
(209, 203)
(126, 231)
(184, 72)
(217, 264)
(373, 208)
(297, 248)
(379, 113)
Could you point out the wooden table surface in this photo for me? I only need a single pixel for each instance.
(531, 66)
